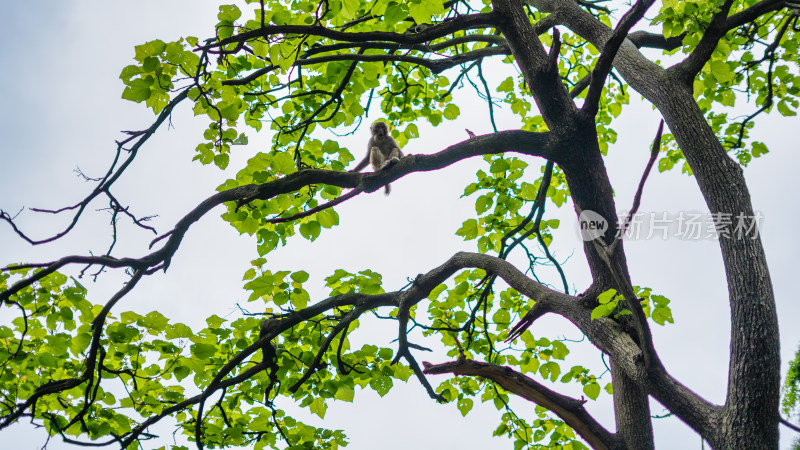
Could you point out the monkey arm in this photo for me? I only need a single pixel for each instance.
(361, 165)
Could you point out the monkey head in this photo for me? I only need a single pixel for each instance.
(379, 130)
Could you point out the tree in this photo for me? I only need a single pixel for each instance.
(326, 65)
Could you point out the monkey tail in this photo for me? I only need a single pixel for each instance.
(387, 189)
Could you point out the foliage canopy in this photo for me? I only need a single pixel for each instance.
(91, 373)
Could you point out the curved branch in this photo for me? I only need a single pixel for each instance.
(790, 425)
(720, 24)
(392, 47)
(537, 144)
(341, 326)
(688, 69)
(605, 334)
(55, 386)
(111, 176)
(570, 410)
(317, 209)
(754, 12)
(459, 23)
(435, 65)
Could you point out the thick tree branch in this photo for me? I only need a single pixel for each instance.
(538, 144)
(537, 67)
(435, 65)
(754, 12)
(419, 290)
(568, 409)
(645, 39)
(393, 47)
(603, 65)
(754, 344)
(459, 23)
(688, 69)
(720, 24)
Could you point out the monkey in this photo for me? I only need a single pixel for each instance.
(382, 150)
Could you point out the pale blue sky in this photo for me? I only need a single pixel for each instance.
(60, 108)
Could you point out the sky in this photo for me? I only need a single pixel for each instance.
(60, 109)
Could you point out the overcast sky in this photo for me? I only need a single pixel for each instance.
(60, 108)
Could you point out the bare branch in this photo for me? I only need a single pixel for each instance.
(111, 176)
(790, 425)
(638, 197)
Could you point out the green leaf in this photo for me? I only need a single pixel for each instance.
(436, 291)
(469, 230)
(80, 342)
(419, 12)
(129, 72)
(181, 372)
(155, 321)
(381, 385)
(560, 351)
(328, 218)
(345, 393)
(349, 9)
(310, 230)
(501, 318)
(464, 406)
(229, 13)
(137, 91)
(395, 12)
(531, 366)
(506, 86)
(203, 351)
(300, 276)
(721, 71)
(483, 203)
(603, 310)
(606, 296)
(592, 390)
(785, 109)
(451, 112)
(318, 407)
(411, 131)
(759, 149)
(499, 166)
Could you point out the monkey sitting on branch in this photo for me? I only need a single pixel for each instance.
(382, 150)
